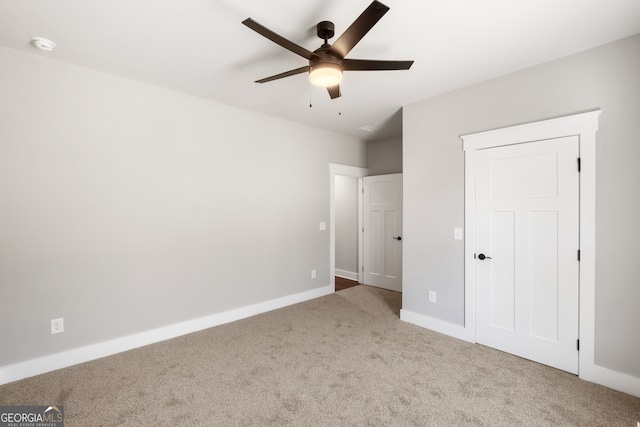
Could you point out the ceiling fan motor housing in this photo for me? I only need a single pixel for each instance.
(325, 69)
(326, 30)
(324, 56)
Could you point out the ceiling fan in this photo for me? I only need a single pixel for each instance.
(327, 63)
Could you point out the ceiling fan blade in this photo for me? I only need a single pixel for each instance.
(285, 74)
(334, 91)
(359, 28)
(370, 64)
(278, 39)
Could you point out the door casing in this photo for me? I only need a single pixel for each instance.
(585, 126)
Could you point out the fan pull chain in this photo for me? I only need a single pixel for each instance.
(310, 91)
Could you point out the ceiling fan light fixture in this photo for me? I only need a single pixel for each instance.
(325, 74)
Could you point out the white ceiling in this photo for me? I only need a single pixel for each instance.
(201, 48)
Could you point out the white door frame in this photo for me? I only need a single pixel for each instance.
(344, 170)
(583, 125)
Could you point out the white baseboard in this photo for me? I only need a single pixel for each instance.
(68, 358)
(447, 328)
(595, 374)
(616, 380)
(347, 274)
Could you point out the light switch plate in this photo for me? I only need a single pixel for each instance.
(432, 296)
(323, 226)
(457, 233)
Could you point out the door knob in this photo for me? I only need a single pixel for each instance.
(398, 238)
(483, 256)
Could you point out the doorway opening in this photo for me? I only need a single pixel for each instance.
(347, 236)
(348, 179)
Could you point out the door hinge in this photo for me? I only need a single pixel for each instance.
(474, 256)
(579, 166)
(363, 229)
(578, 254)
(578, 345)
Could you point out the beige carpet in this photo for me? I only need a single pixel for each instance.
(342, 360)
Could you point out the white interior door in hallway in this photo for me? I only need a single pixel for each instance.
(527, 242)
(382, 234)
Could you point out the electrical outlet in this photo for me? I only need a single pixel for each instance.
(57, 326)
(432, 296)
(313, 274)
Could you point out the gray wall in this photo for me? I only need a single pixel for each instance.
(346, 205)
(607, 77)
(127, 207)
(384, 156)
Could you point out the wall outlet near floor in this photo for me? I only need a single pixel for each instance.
(432, 296)
(313, 274)
(57, 326)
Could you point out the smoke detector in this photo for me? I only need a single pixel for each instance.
(43, 44)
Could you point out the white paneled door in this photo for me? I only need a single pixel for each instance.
(382, 235)
(527, 241)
